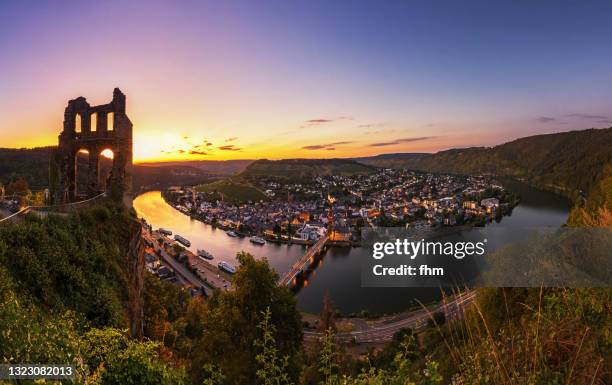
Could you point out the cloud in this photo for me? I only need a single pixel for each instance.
(338, 143)
(231, 139)
(381, 144)
(181, 151)
(329, 146)
(205, 143)
(199, 149)
(319, 121)
(403, 140)
(601, 119)
(370, 125)
(545, 119)
(314, 147)
(588, 116)
(229, 147)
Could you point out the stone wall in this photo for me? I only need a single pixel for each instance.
(78, 134)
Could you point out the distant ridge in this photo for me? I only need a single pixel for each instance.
(32, 164)
(397, 155)
(566, 162)
(569, 163)
(222, 167)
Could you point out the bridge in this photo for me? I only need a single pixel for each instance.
(305, 262)
(43, 211)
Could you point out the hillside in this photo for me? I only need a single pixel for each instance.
(398, 156)
(217, 167)
(233, 191)
(146, 177)
(71, 291)
(563, 162)
(33, 165)
(303, 169)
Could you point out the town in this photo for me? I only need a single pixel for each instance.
(341, 206)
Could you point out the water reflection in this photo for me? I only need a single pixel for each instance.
(339, 270)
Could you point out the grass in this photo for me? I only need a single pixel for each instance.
(233, 191)
(531, 336)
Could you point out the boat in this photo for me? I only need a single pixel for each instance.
(226, 267)
(258, 240)
(182, 240)
(231, 233)
(161, 230)
(204, 254)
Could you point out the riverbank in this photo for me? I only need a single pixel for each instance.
(206, 273)
(338, 272)
(503, 208)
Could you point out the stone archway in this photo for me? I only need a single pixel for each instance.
(116, 137)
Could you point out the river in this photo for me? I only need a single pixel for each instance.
(339, 272)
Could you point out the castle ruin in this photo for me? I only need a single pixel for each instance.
(78, 135)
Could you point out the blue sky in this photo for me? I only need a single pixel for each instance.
(315, 78)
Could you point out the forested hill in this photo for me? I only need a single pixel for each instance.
(565, 162)
(217, 167)
(71, 291)
(300, 169)
(32, 164)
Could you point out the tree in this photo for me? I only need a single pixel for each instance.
(163, 304)
(118, 360)
(400, 372)
(230, 326)
(18, 186)
(328, 360)
(212, 375)
(271, 369)
(328, 314)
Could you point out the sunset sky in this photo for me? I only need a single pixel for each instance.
(279, 79)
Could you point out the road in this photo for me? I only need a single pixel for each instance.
(378, 331)
(383, 331)
(211, 273)
(176, 265)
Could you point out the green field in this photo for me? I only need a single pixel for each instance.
(303, 170)
(233, 191)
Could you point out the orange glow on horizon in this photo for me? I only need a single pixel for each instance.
(197, 139)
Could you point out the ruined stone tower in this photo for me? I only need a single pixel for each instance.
(78, 134)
